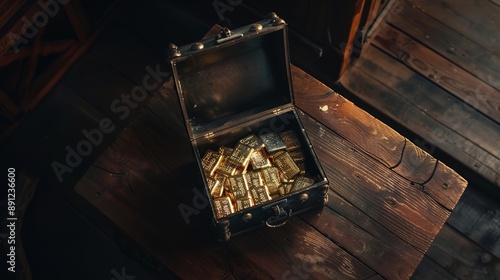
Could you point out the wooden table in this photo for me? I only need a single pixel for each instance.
(388, 198)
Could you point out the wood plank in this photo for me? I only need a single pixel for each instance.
(382, 194)
(105, 88)
(478, 217)
(429, 269)
(476, 19)
(78, 19)
(446, 186)
(374, 245)
(445, 74)
(447, 42)
(417, 165)
(147, 154)
(385, 99)
(294, 251)
(429, 98)
(63, 105)
(330, 108)
(462, 257)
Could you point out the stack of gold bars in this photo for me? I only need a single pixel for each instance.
(255, 171)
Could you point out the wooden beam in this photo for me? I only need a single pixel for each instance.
(78, 19)
(46, 49)
(56, 71)
(26, 88)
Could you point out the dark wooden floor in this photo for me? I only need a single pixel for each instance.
(432, 70)
(468, 247)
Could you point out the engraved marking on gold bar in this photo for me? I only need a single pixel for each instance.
(254, 178)
(241, 155)
(223, 207)
(290, 139)
(260, 194)
(244, 203)
(211, 183)
(252, 141)
(225, 151)
(238, 186)
(286, 164)
(301, 182)
(272, 142)
(260, 159)
(226, 168)
(271, 179)
(210, 161)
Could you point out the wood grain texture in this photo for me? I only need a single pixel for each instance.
(380, 249)
(295, 250)
(432, 100)
(462, 258)
(447, 42)
(382, 194)
(474, 19)
(439, 70)
(478, 217)
(391, 103)
(417, 165)
(446, 186)
(369, 134)
(148, 171)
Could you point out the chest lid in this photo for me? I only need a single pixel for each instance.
(238, 74)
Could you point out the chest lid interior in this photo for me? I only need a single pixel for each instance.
(239, 74)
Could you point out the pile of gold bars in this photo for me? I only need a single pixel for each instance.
(255, 171)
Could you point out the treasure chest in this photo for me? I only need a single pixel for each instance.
(257, 163)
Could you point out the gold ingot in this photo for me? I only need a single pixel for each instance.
(286, 164)
(272, 142)
(225, 167)
(253, 142)
(238, 186)
(260, 159)
(223, 207)
(225, 151)
(211, 183)
(210, 161)
(241, 155)
(290, 139)
(271, 179)
(243, 203)
(301, 182)
(217, 190)
(260, 194)
(253, 178)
